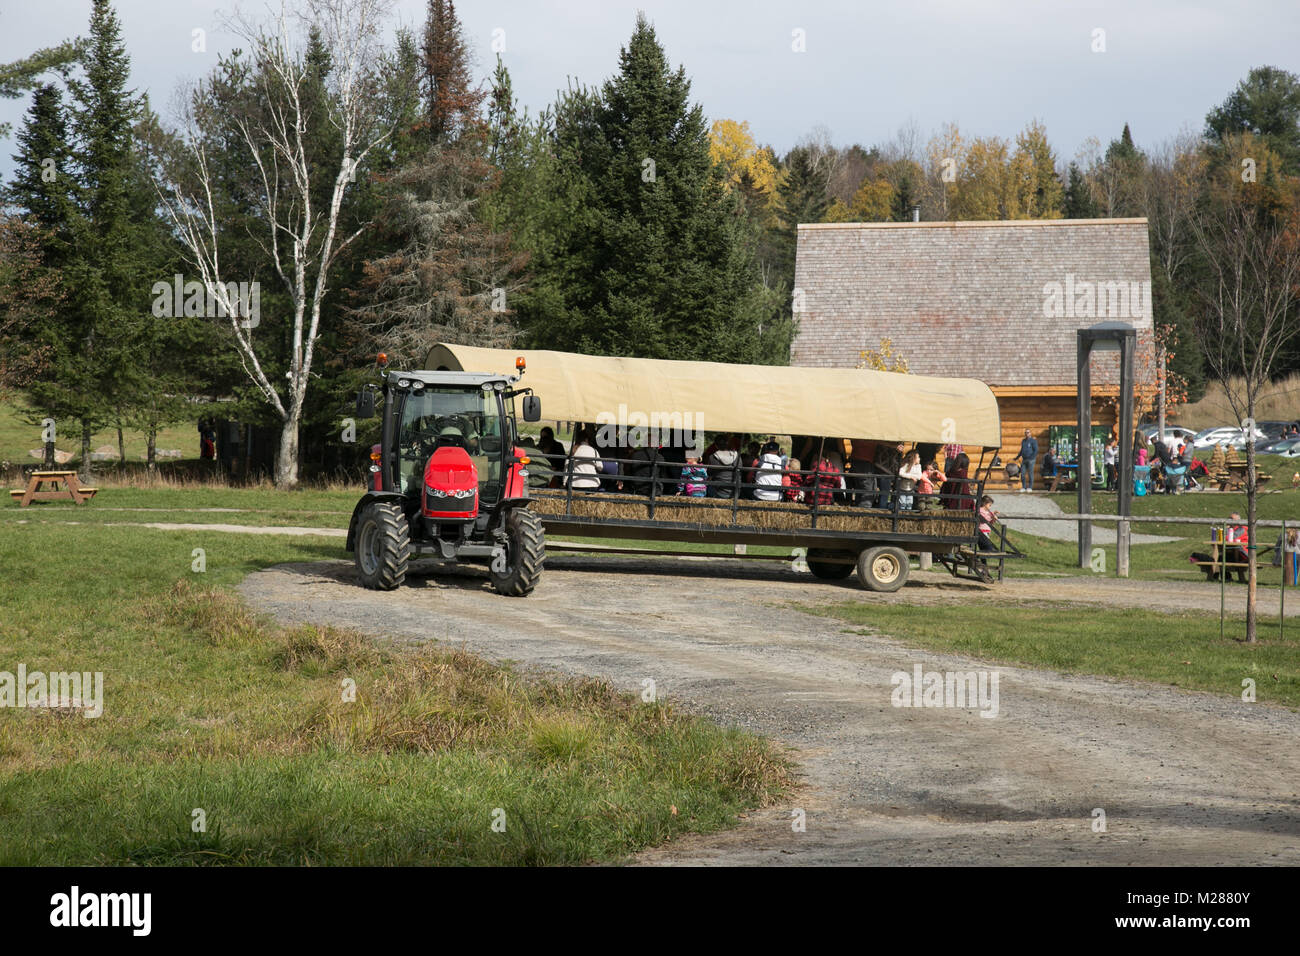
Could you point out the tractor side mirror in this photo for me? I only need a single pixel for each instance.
(532, 408)
(366, 403)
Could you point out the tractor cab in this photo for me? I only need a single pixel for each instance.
(449, 479)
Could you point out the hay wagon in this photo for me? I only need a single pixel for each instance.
(835, 531)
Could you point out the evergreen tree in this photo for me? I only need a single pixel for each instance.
(19, 77)
(442, 270)
(451, 101)
(109, 283)
(1120, 178)
(801, 197)
(658, 263)
(45, 191)
(1079, 203)
(1267, 104)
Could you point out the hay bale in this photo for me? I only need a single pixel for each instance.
(706, 513)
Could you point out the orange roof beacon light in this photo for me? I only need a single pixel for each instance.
(382, 359)
(520, 363)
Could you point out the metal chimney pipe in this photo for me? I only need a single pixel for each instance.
(916, 212)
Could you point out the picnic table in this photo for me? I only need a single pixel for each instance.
(1233, 477)
(1068, 472)
(63, 485)
(1217, 566)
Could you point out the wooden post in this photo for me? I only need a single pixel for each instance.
(1085, 447)
(1127, 346)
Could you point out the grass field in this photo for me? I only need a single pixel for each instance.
(1181, 650)
(209, 708)
(18, 437)
(1169, 560)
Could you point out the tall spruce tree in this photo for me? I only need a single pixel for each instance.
(657, 263)
(1079, 203)
(112, 275)
(45, 191)
(802, 197)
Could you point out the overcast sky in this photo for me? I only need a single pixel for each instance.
(868, 68)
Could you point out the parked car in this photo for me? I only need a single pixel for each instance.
(1287, 448)
(1278, 446)
(1230, 435)
(1173, 433)
(1275, 429)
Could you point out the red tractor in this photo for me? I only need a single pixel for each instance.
(450, 480)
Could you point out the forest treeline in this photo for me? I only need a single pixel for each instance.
(334, 188)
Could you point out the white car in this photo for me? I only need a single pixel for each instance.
(1228, 435)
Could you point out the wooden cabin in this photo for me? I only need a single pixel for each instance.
(997, 301)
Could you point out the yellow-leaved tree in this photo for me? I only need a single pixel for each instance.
(883, 359)
(746, 165)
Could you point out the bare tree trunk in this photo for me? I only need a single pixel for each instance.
(286, 459)
(151, 450)
(86, 471)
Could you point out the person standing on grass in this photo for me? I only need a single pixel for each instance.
(1027, 457)
(1108, 456)
(1189, 462)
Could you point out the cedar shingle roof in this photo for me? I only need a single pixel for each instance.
(986, 300)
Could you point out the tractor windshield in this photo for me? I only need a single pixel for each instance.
(469, 418)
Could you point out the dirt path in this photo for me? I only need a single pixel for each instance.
(1182, 778)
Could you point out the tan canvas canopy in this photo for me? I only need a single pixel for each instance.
(755, 399)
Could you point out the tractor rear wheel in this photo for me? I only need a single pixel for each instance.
(525, 554)
(383, 546)
(829, 570)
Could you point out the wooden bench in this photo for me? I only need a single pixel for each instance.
(1212, 567)
(64, 486)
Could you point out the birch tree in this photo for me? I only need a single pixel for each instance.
(292, 185)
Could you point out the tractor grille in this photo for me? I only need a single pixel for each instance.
(443, 501)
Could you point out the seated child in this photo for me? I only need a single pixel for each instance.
(693, 477)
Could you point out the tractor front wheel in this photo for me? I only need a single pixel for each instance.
(383, 546)
(525, 553)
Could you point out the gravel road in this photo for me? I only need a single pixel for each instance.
(1181, 778)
